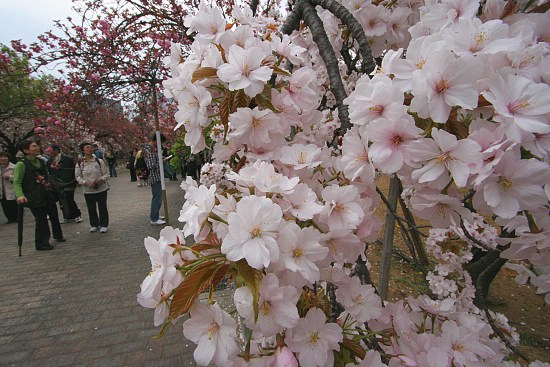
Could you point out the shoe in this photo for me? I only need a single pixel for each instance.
(162, 217)
(94, 229)
(139, 185)
(61, 239)
(103, 229)
(65, 221)
(44, 248)
(78, 220)
(158, 222)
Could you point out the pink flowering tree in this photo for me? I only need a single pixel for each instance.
(449, 98)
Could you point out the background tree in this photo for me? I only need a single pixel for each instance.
(18, 92)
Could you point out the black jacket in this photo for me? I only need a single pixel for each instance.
(62, 174)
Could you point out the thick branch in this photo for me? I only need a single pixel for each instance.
(340, 11)
(326, 51)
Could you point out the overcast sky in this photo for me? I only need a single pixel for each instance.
(27, 19)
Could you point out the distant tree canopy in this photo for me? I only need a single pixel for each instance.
(18, 93)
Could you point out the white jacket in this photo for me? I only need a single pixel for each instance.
(92, 171)
(8, 182)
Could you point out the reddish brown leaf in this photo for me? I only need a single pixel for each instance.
(355, 348)
(203, 73)
(195, 281)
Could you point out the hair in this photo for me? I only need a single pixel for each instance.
(24, 145)
(54, 147)
(5, 154)
(82, 145)
(154, 138)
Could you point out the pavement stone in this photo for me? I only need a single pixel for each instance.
(76, 305)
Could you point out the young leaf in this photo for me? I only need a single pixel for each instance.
(203, 73)
(252, 278)
(195, 281)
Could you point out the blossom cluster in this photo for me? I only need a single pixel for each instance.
(285, 210)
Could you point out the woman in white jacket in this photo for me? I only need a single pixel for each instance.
(92, 174)
(7, 192)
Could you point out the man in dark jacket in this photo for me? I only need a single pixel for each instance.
(61, 171)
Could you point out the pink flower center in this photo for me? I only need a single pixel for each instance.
(256, 231)
(517, 106)
(505, 183)
(264, 309)
(396, 140)
(313, 337)
(213, 330)
(297, 253)
(378, 109)
(256, 122)
(442, 159)
(441, 86)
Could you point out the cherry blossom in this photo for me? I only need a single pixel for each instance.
(314, 339)
(253, 231)
(214, 331)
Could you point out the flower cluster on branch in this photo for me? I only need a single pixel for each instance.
(458, 109)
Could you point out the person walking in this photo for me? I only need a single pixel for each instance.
(30, 181)
(131, 165)
(92, 174)
(152, 161)
(111, 161)
(61, 171)
(141, 169)
(7, 191)
(97, 152)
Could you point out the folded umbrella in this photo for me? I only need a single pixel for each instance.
(20, 213)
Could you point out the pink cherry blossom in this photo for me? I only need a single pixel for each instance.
(253, 127)
(521, 100)
(360, 300)
(341, 210)
(277, 307)
(390, 140)
(300, 250)
(444, 155)
(244, 70)
(445, 81)
(214, 332)
(253, 232)
(314, 339)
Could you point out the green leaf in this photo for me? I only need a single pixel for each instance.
(264, 99)
(252, 278)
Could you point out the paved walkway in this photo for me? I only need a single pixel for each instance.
(76, 305)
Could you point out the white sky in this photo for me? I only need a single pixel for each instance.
(27, 19)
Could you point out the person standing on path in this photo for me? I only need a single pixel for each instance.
(152, 162)
(61, 171)
(92, 173)
(30, 181)
(7, 192)
(111, 161)
(131, 165)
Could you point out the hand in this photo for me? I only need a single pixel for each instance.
(22, 200)
(88, 184)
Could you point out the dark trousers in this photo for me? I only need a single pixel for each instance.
(42, 229)
(68, 205)
(10, 209)
(97, 203)
(133, 176)
(156, 201)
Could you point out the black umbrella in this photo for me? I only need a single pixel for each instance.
(20, 213)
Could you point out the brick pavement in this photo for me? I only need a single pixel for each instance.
(76, 305)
